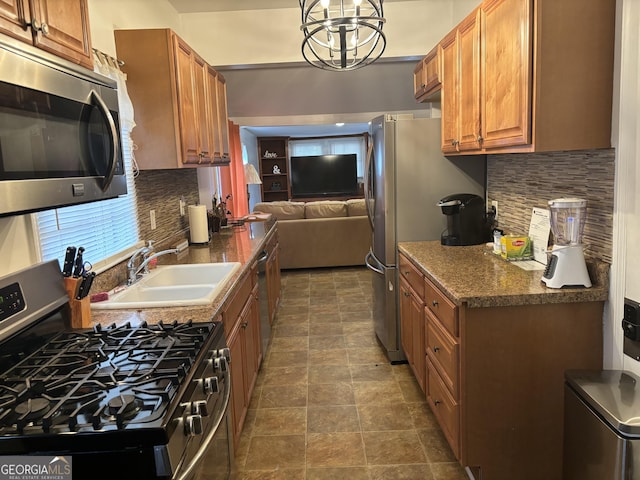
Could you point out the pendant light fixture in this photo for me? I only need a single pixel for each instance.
(342, 34)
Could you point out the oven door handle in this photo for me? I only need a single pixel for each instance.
(106, 114)
(185, 474)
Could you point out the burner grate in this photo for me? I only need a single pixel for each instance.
(100, 379)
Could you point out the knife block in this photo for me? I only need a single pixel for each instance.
(80, 309)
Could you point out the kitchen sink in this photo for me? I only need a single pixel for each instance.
(173, 286)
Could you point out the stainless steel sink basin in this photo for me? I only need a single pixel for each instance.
(173, 286)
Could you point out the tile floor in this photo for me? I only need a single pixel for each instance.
(327, 404)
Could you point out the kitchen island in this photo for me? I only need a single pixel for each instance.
(495, 345)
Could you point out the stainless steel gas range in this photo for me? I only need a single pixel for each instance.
(148, 401)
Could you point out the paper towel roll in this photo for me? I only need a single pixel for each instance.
(198, 228)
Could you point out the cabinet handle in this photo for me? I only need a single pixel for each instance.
(245, 325)
(39, 27)
(434, 303)
(406, 294)
(437, 402)
(436, 349)
(407, 272)
(480, 139)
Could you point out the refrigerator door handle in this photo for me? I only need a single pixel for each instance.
(368, 175)
(377, 267)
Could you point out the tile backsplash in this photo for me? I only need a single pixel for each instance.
(161, 190)
(520, 182)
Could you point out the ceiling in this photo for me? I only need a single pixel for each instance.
(193, 6)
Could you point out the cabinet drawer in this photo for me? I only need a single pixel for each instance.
(412, 275)
(442, 349)
(231, 313)
(444, 407)
(441, 307)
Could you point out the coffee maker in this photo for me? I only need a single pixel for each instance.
(467, 222)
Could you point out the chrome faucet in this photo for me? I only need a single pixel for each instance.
(143, 268)
(131, 264)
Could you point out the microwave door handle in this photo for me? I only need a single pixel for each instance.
(106, 114)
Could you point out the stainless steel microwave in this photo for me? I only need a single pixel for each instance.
(59, 133)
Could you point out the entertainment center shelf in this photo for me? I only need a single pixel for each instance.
(306, 177)
(274, 157)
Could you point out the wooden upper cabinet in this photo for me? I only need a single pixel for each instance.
(520, 76)
(15, 16)
(449, 93)
(186, 102)
(460, 52)
(506, 79)
(469, 134)
(60, 27)
(426, 76)
(214, 94)
(222, 151)
(175, 96)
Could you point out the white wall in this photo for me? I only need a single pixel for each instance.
(106, 16)
(626, 278)
(273, 36)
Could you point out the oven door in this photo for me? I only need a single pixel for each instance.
(211, 457)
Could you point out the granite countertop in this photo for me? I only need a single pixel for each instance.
(237, 244)
(475, 277)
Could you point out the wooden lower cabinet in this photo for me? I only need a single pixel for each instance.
(412, 325)
(412, 330)
(245, 347)
(494, 378)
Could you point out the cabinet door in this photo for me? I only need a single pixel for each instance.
(412, 331)
(63, 29)
(250, 323)
(223, 119)
(215, 136)
(449, 95)
(469, 83)
(238, 393)
(203, 120)
(419, 84)
(14, 16)
(507, 72)
(186, 102)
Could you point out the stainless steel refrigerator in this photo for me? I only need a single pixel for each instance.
(405, 177)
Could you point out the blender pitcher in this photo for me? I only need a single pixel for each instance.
(567, 220)
(566, 266)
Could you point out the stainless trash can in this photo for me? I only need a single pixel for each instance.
(601, 426)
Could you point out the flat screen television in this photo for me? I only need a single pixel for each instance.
(324, 176)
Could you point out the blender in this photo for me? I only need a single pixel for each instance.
(566, 265)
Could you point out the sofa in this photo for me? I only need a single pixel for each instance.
(327, 233)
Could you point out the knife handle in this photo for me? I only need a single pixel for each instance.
(68, 261)
(85, 285)
(77, 271)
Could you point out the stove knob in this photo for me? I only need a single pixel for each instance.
(220, 364)
(226, 353)
(193, 425)
(210, 385)
(200, 408)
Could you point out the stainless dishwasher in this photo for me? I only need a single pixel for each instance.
(263, 300)
(601, 425)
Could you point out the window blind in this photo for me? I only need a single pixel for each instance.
(106, 228)
(330, 146)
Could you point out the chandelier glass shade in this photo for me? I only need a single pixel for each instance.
(342, 34)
